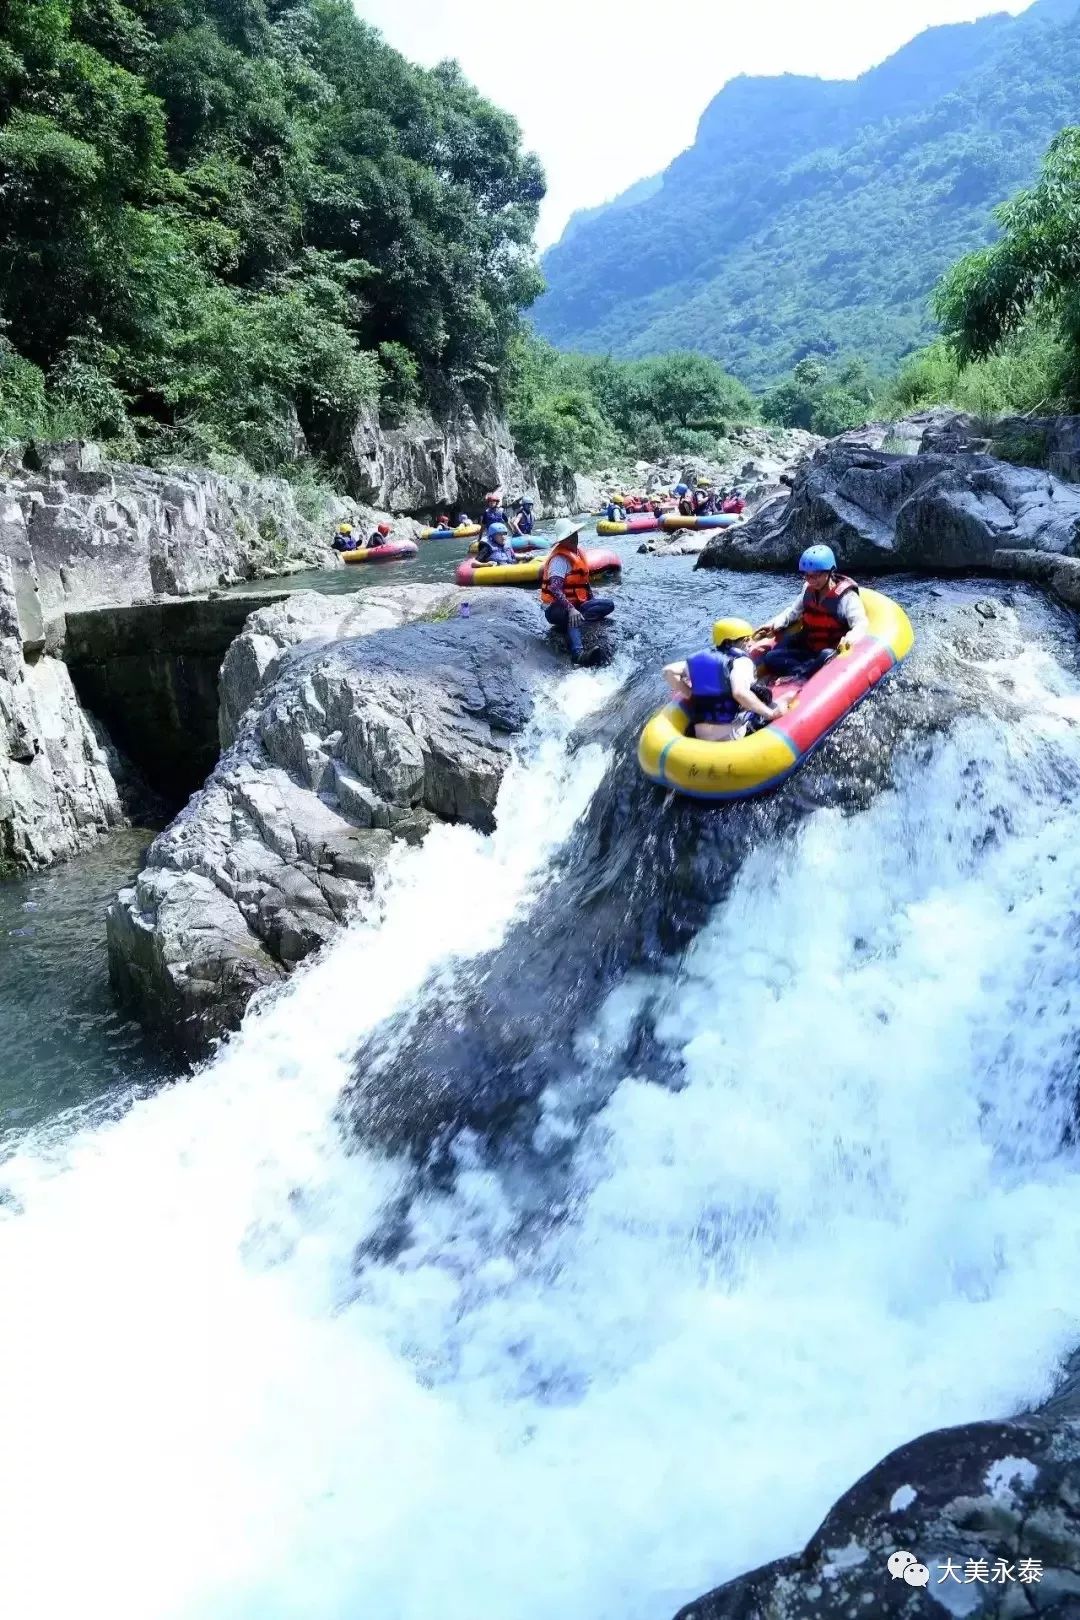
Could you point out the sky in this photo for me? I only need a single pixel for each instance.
(609, 91)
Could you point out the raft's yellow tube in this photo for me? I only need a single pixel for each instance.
(522, 573)
(464, 531)
(736, 770)
(604, 527)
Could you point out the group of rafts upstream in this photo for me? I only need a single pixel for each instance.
(668, 752)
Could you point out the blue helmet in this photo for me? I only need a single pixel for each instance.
(497, 528)
(682, 489)
(817, 560)
(526, 500)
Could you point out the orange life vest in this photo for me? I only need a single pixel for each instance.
(822, 624)
(576, 587)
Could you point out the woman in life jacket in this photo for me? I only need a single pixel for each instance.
(496, 546)
(720, 688)
(569, 603)
(829, 613)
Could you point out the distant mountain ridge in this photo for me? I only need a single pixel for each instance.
(815, 215)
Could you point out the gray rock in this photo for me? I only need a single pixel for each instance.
(881, 511)
(973, 1494)
(307, 616)
(430, 462)
(351, 746)
(56, 790)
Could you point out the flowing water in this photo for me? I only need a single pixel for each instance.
(792, 1180)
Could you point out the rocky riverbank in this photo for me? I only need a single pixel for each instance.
(760, 461)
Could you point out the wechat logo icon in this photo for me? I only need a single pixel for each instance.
(904, 1566)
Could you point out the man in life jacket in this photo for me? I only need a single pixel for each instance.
(377, 537)
(344, 540)
(496, 546)
(569, 603)
(614, 511)
(442, 521)
(829, 612)
(524, 521)
(720, 685)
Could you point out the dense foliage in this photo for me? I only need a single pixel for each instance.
(1022, 295)
(822, 399)
(216, 213)
(813, 217)
(580, 410)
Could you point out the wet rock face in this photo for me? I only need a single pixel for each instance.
(56, 788)
(880, 511)
(349, 747)
(83, 533)
(980, 1507)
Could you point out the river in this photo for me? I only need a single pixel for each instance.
(800, 1184)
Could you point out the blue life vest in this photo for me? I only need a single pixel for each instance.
(709, 673)
(493, 514)
(525, 522)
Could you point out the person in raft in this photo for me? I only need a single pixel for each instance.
(720, 688)
(565, 591)
(685, 499)
(495, 546)
(524, 522)
(442, 521)
(344, 539)
(615, 511)
(377, 537)
(492, 513)
(832, 617)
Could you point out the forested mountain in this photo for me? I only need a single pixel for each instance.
(814, 216)
(220, 216)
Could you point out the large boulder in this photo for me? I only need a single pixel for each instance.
(57, 791)
(962, 1502)
(351, 746)
(881, 511)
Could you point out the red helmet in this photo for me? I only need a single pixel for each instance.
(384, 528)
(493, 496)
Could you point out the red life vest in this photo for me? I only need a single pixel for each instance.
(822, 624)
(575, 585)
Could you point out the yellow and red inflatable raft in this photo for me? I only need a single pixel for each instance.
(756, 763)
(470, 572)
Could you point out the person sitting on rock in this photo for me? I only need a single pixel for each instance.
(344, 540)
(377, 537)
(524, 521)
(496, 546)
(492, 513)
(565, 591)
(719, 686)
(829, 613)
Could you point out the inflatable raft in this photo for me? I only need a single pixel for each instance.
(527, 573)
(373, 554)
(708, 520)
(640, 523)
(466, 531)
(524, 545)
(754, 764)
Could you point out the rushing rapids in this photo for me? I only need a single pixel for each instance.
(565, 1241)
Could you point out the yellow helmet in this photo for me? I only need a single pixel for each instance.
(731, 630)
(704, 483)
(344, 528)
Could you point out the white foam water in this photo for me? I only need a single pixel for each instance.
(850, 1217)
